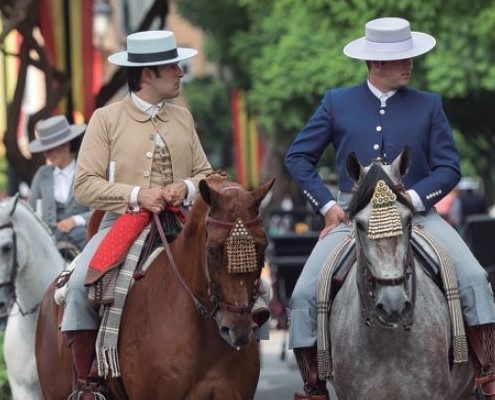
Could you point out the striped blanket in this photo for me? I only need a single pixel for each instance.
(118, 282)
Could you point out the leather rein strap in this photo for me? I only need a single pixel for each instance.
(173, 266)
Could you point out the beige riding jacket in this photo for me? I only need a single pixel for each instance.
(117, 153)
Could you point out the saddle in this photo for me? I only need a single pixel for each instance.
(171, 222)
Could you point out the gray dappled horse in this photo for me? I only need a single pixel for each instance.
(401, 349)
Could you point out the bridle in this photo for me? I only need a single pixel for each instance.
(213, 289)
(384, 222)
(10, 284)
(218, 303)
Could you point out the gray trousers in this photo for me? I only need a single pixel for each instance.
(80, 315)
(475, 291)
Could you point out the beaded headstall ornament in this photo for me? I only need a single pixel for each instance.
(241, 250)
(384, 217)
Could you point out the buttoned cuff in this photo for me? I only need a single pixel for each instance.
(133, 199)
(327, 207)
(80, 221)
(191, 192)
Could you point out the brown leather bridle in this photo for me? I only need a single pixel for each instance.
(213, 288)
(218, 303)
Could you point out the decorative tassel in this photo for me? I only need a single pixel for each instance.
(384, 217)
(241, 250)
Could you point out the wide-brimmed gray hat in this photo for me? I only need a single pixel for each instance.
(389, 39)
(151, 48)
(53, 132)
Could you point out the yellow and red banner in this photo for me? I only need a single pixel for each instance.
(248, 150)
(67, 29)
(9, 67)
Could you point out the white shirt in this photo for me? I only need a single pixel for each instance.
(62, 183)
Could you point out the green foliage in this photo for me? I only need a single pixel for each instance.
(4, 383)
(287, 52)
(209, 101)
(3, 175)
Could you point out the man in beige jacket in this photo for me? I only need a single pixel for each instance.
(138, 153)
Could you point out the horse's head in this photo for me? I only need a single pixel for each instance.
(383, 221)
(8, 256)
(235, 247)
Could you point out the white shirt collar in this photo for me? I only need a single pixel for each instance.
(69, 170)
(382, 96)
(151, 109)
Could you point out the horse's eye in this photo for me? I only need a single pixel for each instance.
(6, 248)
(213, 251)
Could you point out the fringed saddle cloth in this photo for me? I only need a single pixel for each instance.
(342, 253)
(119, 282)
(111, 288)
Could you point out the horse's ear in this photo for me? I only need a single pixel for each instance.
(403, 161)
(13, 203)
(204, 190)
(353, 166)
(207, 193)
(260, 193)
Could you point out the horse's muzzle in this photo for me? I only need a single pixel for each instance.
(392, 305)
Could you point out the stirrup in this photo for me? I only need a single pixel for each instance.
(78, 395)
(486, 385)
(93, 389)
(309, 396)
(312, 393)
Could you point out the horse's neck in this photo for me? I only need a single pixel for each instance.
(189, 249)
(39, 260)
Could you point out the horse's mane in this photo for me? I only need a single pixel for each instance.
(366, 186)
(7, 203)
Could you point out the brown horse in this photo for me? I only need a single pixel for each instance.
(186, 333)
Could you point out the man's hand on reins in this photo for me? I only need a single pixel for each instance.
(175, 193)
(333, 218)
(152, 199)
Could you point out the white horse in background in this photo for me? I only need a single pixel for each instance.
(29, 262)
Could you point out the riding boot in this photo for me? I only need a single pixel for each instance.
(482, 341)
(89, 386)
(314, 387)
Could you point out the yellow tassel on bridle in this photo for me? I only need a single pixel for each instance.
(384, 217)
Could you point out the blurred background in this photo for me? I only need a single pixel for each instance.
(261, 71)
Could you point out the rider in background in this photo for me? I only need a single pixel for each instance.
(378, 118)
(52, 194)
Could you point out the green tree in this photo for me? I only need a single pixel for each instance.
(288, 52)
(304, 56)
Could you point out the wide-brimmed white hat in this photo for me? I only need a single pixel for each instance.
(389, 39)
(151, 48)
(53, 132)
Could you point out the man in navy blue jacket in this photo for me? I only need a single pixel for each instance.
(378, 118)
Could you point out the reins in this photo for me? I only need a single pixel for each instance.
(218, 304)
(203, 311)
(15, 266)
